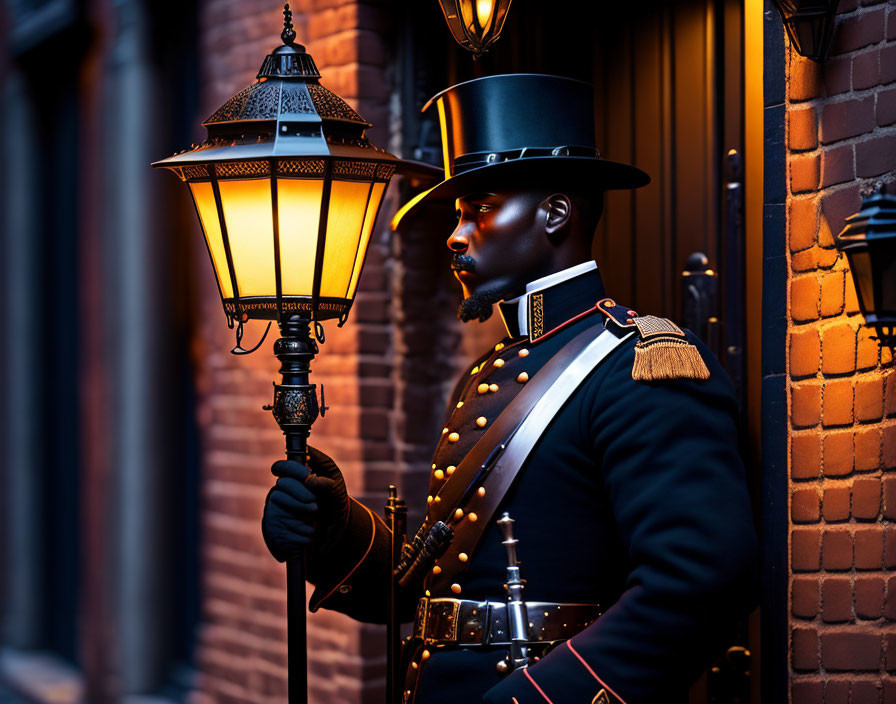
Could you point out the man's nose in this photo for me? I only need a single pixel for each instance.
(459, 240)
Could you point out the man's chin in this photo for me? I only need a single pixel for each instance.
(480, 304)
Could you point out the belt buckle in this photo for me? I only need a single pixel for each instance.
(441, 621)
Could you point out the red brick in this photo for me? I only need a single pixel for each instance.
(890, 394)
(832, 293)
(846, 118)
(836, 600)
(840, 203)
(886, 106)
(804, 78)
(836, 550)
(838, 454)
(804, 506)
(804, 173)
(802, 129)
(889, 499)
(836, 691)
(804, 649)
(869, 597)
(805, 456)
(865, 69)
(889, 684)
(890, 600)
(838, 349)
(876, 156)
(866, 499)
(861, 30)
(805, 294)
(838, 165)
(835, 504)
(891, 24)
(805, 599)
(888, 64)
(869, 400)
(888, 447)
(852, 301)
(805, 549)
(850, 651)
(867, 450)
(805, 405)
(866, 692)
(805, 352)
(836, 76)
(807, 692)
(813, 258)
(889, 548)
(803, 222)
(837, 403)
(869, 547)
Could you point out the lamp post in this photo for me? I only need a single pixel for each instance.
(475, 24)
(869, 242)
(287, 188)
(810, 25)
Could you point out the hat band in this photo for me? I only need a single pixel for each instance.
(474, 160)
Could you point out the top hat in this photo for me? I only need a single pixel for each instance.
(513, 129)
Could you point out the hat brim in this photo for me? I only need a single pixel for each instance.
(587, 172)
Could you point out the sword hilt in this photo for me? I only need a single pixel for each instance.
(517, 616)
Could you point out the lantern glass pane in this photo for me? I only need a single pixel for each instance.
(484, 9)
(250, 231)
(299, 215)
(885, 256)
(345, 219)
(860, 264)
(204, 198)
(373, 206)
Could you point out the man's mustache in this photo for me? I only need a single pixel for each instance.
(463, 262)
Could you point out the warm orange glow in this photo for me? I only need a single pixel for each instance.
(299, 216)
(348, 200)
(484, 10)
(250, 231)
(204, 197)
(376, 196)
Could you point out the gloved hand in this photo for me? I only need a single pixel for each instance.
(303, 506)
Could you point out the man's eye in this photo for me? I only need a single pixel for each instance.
(483, 208)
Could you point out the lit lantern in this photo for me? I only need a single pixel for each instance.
(287, 188)
(475, 24)
(869, 242)
(810, 25)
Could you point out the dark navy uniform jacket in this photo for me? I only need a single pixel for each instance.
(634, 498)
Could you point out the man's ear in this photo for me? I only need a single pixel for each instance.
(557, 213)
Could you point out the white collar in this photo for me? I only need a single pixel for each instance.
(544, 282)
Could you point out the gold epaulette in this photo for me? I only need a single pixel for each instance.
(663, 352)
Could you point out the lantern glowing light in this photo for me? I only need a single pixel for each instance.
(475, 24)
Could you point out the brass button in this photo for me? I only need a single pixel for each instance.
(436, 569)
(427, 593)
(414, 665)
(463, 557)
(439, 474)
(493, 388)
(482, 388)
(459, 513)
(424, 655)
(523, 378)
(444, 430)
(460, 404)
(449, 470)
(499, 347)
(433, 466)
(481, 421)
(455, 588)
(429, 499)
(481, 491)
(499, 362)
(523, 352)
(437, 499)
(454, 437)
(474, 370)
(473, 517)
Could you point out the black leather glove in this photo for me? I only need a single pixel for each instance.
(303, 506)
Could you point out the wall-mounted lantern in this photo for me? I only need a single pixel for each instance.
(869, 242)
(810, 25)
(475, 24)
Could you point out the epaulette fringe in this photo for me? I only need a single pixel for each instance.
(663, 352)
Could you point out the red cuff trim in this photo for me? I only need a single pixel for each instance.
(593, 673)
(363, 557)
(535, 684)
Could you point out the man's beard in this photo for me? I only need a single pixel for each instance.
(480, 305)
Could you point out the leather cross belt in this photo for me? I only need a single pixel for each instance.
(462, 622)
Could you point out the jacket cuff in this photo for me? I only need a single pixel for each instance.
(561, 677)
(331, 570)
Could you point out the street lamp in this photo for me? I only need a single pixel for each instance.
(869, 242)
(475, 24)
(810, 25)
(287, 188)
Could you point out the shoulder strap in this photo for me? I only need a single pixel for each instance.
(485, 475)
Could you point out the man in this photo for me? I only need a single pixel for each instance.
(631, 510)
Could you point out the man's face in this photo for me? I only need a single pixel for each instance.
(500, 244)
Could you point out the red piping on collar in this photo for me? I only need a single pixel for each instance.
(581, 315)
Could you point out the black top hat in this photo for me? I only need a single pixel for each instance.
(516, 127)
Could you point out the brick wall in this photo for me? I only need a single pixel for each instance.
(241, 644)
(841, 134)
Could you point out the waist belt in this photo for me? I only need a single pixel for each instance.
(468, 623)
